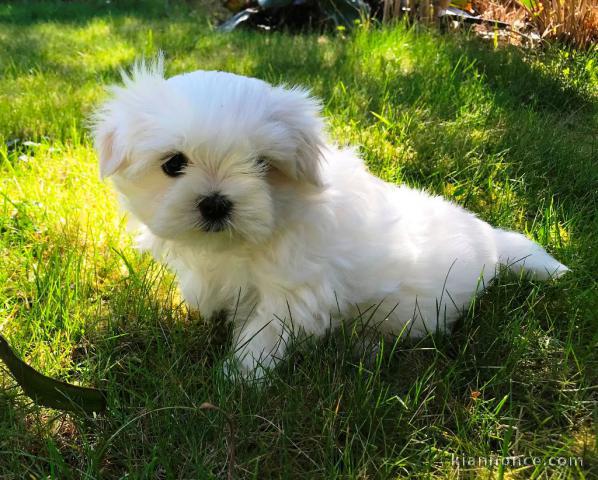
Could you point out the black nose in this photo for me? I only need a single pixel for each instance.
(215, 208)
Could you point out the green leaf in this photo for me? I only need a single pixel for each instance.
(529, 4)
(48, 392)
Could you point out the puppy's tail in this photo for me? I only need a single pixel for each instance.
(518, 253)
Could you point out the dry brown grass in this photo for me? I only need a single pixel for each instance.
(574, 22)
(504, 10)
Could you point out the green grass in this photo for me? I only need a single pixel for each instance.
(511, 135)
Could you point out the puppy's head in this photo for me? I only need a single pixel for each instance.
(208, 154)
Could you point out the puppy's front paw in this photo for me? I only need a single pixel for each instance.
(259, 346)
(234, 370)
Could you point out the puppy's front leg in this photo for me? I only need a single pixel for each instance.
(260, 342)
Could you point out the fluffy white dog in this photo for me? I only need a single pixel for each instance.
(237, 189)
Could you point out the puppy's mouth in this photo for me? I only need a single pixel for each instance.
(214, 227)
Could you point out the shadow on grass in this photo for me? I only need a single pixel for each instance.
(159, 364)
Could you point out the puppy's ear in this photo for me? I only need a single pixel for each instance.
(296, 135)
(110, 154)
(111, 120)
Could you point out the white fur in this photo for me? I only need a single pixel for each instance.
(314, 237)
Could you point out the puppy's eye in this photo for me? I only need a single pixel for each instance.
(174, 166)
(262, 161)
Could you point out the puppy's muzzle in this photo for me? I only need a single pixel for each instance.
(215, 210)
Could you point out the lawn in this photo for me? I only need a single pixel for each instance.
(509, 134)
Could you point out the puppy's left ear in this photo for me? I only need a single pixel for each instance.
(296, 135)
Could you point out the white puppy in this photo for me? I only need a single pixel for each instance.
(238, 191)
